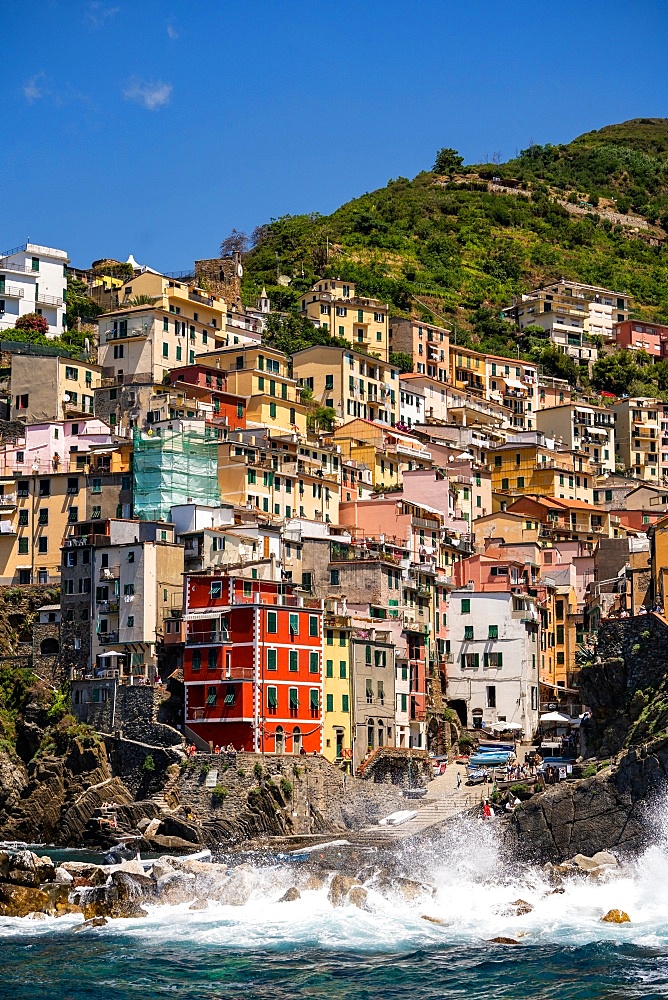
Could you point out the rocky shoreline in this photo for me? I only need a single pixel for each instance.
(35, 888)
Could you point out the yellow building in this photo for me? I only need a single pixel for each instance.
(35, 511)
(388, 453)
(273, 473)
(351, 383)
(638, 446)
(261, 375)
(180, 322)
(537, 469)
(659, 548)
(52, 388)
(468, 370)
(338, 702)
(333, 305)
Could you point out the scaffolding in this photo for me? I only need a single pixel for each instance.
(174, 466)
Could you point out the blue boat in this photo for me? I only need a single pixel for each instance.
(491, 759)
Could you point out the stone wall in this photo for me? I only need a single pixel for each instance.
(309, 794)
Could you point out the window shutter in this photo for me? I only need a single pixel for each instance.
(463, 661)
(486, 659)
(499, 659)
(476, 662)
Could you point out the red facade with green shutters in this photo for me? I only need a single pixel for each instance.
(252, 664)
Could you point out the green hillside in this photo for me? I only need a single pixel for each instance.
(453, 249)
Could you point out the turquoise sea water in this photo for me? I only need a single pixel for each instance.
(122, 965)
(311, 950)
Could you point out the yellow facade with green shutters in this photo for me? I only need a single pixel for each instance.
(337, 691)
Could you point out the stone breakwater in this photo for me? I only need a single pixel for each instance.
(33, 887)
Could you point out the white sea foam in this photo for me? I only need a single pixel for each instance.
(474, 892)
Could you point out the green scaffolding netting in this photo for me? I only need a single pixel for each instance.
(173, 467)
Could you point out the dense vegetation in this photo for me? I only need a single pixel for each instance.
(445, 247)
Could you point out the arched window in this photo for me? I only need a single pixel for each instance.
(296, 740)
(280, 740)
(49, 647)
(370, 734)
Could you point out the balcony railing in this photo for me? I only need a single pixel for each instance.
(107, 638)
(207, 638)
(49, 300)
(107, 607)
(8, 265)
(12, 292)
(110, 572)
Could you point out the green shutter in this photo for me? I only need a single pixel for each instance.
(294, 661)
(329, 668)
(499, 659)
(476, 661)
(293, 699)
(294, 624)
(272, 697)
(271, 659)
(330, 703)
(272, 625)
(344, 703)
(313, 664)
(486, 659)
(343, 669)
(314, 699)
(313, 625)
(463, 661)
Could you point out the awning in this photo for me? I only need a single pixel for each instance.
(195, 616)
(512, 383)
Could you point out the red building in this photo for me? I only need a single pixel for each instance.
(252, 664)
(210, 386)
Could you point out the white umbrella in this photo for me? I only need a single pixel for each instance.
(555, 717)
(505, 727)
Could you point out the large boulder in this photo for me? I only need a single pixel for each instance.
(20, 900)
(26, 868)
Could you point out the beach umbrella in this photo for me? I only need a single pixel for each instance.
(564, 720)
(505, 727)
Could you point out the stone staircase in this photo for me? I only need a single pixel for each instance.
(167, 800)
(430, 812)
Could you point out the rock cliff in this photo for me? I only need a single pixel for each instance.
(612, 810)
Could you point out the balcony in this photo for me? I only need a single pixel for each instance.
(207, 638)
(107, 638)
(107, 607)
(12, 292)
(49, 300)
(8, 265)
(110, 572)
(135, 331)
(206, 300)
(7, 500)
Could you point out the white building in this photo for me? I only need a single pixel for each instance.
(33, 279)
(495, 644)
(411, 403)
(581, 426)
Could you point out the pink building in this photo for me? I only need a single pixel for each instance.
(56, 446)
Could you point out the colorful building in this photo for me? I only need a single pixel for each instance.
(253, 664)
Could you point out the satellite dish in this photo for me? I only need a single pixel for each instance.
(240, 270)
(67, 398)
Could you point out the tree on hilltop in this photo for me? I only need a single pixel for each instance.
(236, 242)
(447, 161)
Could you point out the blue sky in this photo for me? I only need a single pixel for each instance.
(154, 127)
